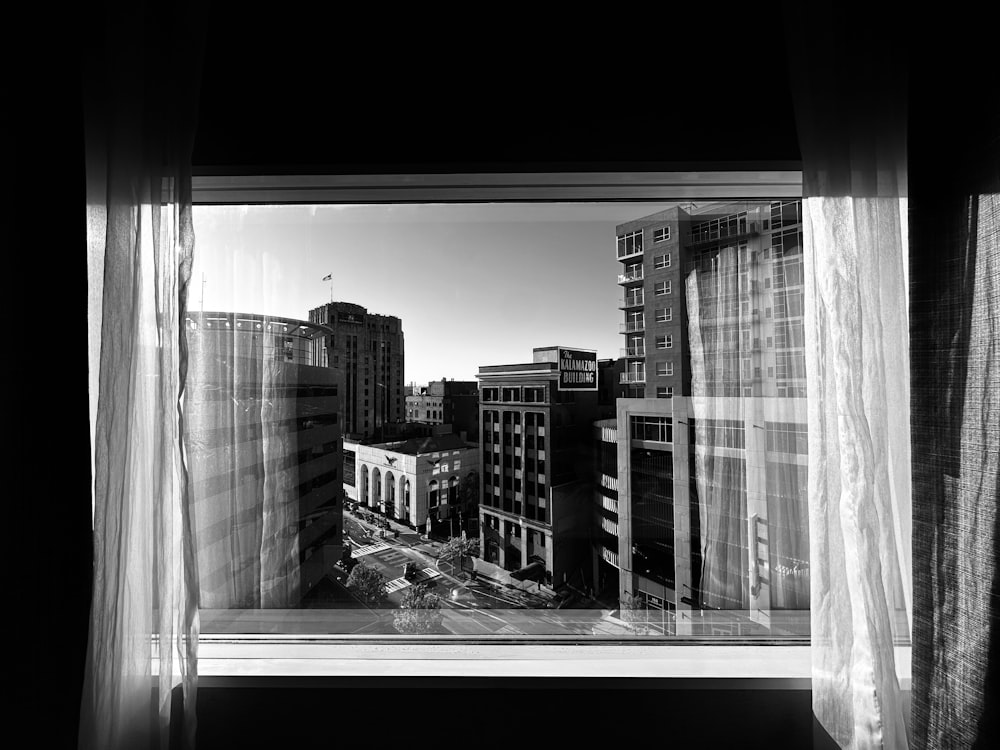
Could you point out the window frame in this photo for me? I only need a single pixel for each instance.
(227, 657)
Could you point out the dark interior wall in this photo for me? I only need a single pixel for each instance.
(505, 715)
(504, 90)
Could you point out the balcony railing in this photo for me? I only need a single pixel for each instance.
(629, 276)
(633, 326)
(634, 351)
(632, 300)
(633, 377)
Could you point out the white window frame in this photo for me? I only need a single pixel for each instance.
(661, 261)
(661, 235)
(662, 288)
(226, 658)
(667, 367)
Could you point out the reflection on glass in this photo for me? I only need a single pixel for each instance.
(555, 492)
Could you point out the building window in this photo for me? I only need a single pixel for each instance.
(724, 433)
(534, 394)
(662, 287)
(787, 437)
(664, 391)
(511, 394)
(491, 394)
(664, 368)
(656, 429)
(629, 244)
(665, 341)
(661, 235)
(661, 261)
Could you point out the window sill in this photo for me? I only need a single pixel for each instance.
(223, 657)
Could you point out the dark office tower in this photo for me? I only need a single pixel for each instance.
(368, 350)
(263, 453)
(711, 513)
(536, 465)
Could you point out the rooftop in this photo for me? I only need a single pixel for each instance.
(423, 445)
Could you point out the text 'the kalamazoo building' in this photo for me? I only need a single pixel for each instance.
(536, 419)
(700, 499)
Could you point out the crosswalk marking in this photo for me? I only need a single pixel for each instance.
(431, 572)
(396, 584)
(368, 549)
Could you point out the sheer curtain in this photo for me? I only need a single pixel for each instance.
(749, 407)
(140, 94)
(849, 91)
(240, 408)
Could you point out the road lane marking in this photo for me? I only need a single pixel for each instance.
(369, 549)
(396, 584)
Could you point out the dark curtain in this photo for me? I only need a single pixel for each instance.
(955, 359)
(955, 307)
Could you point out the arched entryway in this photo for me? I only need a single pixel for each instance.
(377, 488)
(390, 494)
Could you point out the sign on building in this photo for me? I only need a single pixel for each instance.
(577, 370)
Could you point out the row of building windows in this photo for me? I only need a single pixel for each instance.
(532, 394)
(787, 437)
(656, 429)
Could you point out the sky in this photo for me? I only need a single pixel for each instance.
(474, 284)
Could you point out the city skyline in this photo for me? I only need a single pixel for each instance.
(426, 264)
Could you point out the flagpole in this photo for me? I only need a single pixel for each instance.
(329, 277)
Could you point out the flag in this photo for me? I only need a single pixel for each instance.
(328, 277)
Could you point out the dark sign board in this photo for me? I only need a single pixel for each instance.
(577, 370)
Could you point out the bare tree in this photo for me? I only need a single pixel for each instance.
(457, 548)
(636, 615)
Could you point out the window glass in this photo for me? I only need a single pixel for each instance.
(271, 413)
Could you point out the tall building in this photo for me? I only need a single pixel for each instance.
(447, 402)
(263, 447)
(368, 350)
(709, 502)
(536, 419)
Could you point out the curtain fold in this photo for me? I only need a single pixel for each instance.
(139, 115)
(848, 75)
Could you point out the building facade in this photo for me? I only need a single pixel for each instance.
(424, 482)
(533, 512)
(368, 350)
(263, 445)
(447, 402)
(734, 274)
(709, 502)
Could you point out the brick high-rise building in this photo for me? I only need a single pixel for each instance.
(368, 350)
(702, 507)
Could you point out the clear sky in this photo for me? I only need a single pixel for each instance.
(474, 284)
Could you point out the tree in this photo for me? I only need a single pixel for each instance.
(468, 489)
(636, 615)
(368, 585)
(419, 612)
(457, 548)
